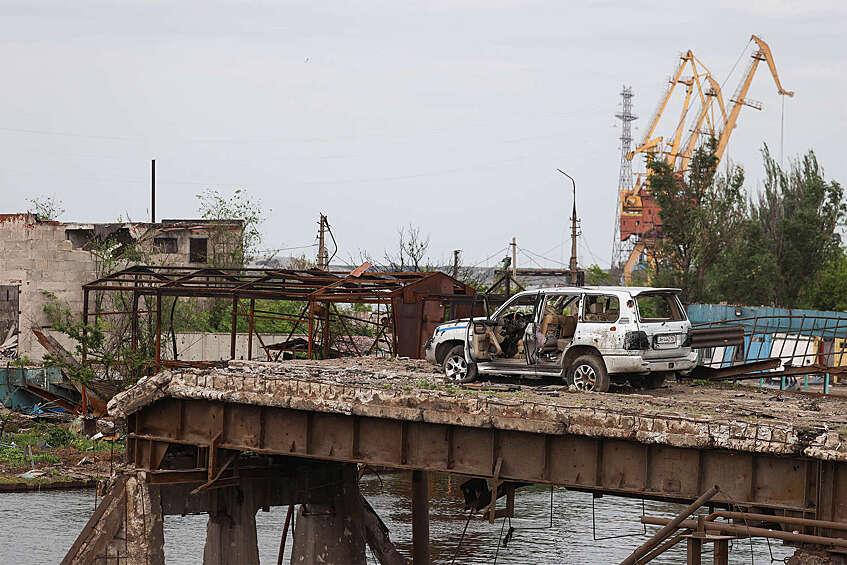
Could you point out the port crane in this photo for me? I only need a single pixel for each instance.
(639, 213)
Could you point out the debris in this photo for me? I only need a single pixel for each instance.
(76, 426)
(33, 474)
(492, 387)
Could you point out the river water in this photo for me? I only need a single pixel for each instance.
(38, 528)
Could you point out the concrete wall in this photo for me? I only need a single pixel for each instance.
(39, 257)
(216, 347)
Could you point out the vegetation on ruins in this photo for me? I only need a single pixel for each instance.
(46, 208)
(232, 248)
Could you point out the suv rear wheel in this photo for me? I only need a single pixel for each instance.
(588, 373)
(456, 368)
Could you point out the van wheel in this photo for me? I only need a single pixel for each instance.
(588, 373)
(455, 367)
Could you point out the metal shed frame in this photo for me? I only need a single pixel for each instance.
(424, 297)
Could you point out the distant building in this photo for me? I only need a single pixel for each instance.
(40, 258)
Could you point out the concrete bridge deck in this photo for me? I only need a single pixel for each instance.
(745, 419)
(772, 452)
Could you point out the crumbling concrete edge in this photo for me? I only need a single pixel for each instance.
(479, 411)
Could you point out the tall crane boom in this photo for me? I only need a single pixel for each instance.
(638, 212)
(739, 99)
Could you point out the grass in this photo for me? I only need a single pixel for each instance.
(45, 440)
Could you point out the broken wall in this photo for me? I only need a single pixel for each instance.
(39, 257)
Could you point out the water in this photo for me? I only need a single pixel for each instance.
(38, 528)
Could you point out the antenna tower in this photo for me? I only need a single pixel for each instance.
(626, 116)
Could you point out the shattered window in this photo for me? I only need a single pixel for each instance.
(602, 308)
(165, 244)
(198, 250)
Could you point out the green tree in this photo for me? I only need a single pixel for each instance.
(829, 291)
(232, 248)
(747, 271)
(699, 212)
(799, 211)
(595, 276)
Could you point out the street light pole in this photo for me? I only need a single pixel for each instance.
(573, 263)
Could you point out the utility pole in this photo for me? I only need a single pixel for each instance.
(153, 192)
(456, 253)
(573, 263)
(514, 259)
(573, 266)
(323, 255)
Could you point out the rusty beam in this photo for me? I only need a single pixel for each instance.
(671, 527)
(748, 531)
(624, 467)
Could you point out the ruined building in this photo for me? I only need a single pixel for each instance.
(41, 259)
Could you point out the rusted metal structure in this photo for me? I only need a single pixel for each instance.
(409, 304)
(220, 429)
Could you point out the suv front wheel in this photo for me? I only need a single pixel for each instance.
(588, 373)
(456, 368)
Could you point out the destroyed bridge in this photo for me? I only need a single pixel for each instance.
(228, 441)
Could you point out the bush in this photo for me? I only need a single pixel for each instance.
(58, 436)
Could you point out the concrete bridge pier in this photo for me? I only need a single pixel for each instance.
(231, 530)
(332, 533)
(126, 527)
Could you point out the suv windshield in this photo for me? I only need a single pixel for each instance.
(659, 307)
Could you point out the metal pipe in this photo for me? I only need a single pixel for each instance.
(826, 524)
(288, 516)
(153, 191)
(250, 330)
(739, 530)
(664, 547)
(233, 326)
(158, 332)
(420, 518)
(671, 526)
(84, 324)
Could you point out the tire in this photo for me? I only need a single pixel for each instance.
(655, 380)
(588, 373)
(455, 368)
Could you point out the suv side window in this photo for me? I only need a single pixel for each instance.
(603, 308)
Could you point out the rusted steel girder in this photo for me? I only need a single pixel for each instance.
(795, 485)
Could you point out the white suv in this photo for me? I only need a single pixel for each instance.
(587, 335)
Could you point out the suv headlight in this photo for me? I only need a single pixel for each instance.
(636, 340)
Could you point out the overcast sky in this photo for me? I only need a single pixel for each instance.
(452, 116)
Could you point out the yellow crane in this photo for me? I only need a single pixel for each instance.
(638, 204)
(739, 99)
(699, 76)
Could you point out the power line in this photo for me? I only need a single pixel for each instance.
(478, 263)
(545, 258)
(530, 258)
